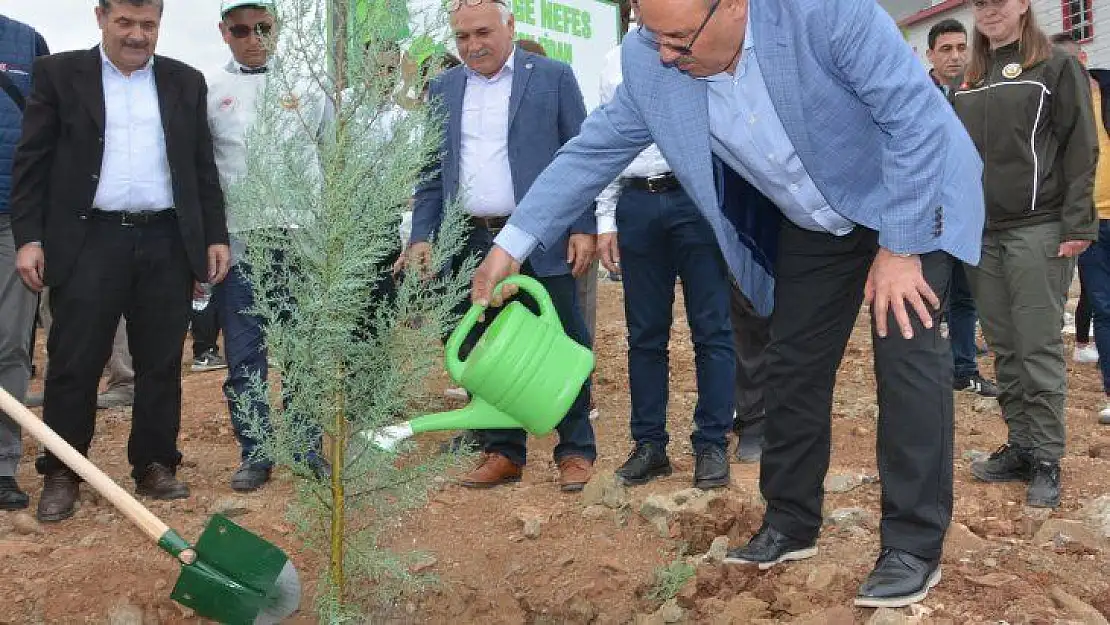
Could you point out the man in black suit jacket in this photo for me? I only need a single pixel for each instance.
(116, 205)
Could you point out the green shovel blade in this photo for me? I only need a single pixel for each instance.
(237, 578)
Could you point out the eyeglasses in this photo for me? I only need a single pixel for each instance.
(242, 31)
(455, 5)
(982, 4)
(684, 50)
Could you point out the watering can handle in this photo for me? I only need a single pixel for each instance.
(530, 285)
(80, 465)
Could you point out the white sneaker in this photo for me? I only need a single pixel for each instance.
(1085, 353)
(1104, 415)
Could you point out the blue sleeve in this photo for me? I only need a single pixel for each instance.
(873, 59)
(611, 138)
(572, 112)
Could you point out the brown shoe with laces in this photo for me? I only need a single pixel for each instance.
(492, 470)
(159, 482)
(58, 500)
(574, 472)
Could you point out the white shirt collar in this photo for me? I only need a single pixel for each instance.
(107, 63)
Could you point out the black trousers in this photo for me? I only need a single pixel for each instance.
(820, 280)
(750, 335)
(143, 274)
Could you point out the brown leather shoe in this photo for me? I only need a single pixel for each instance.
(574, 472)
(492, 470)
(159, 482)
(59, 496)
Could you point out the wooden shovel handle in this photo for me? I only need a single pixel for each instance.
(94, 477)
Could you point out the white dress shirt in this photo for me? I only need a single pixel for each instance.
(486, 181)
(649, 163)
(746, 132)
(135, 172)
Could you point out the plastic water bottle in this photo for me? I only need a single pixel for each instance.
(200, 303)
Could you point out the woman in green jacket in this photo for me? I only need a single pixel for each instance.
(1027, 106)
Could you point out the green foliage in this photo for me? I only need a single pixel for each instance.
(324, 210)
(670, 579)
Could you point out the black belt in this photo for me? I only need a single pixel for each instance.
(493, 224)
(141, 218)
(654, 184)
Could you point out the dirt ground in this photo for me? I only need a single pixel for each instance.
(597, 567)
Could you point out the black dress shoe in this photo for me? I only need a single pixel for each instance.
(711, 468)
(59, 496)
(1007, 464)
(11, 497)
(646, 462)
(1044, 489)
(249, 478)
(749, 446)
(769, 547)
(899, 579)
(159, 482)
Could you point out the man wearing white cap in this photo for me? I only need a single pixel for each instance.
(249, 29)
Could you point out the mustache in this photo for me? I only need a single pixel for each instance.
(479, 54)
(137, 44)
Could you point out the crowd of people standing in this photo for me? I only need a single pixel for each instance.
(959, 197)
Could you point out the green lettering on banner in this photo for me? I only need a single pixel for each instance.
(525, 11)
(565, 19)
(558, 50)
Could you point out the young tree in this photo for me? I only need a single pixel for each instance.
(352, 349)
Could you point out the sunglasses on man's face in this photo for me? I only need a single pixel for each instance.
(242, 31)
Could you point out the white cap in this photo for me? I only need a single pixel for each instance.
(228, 5)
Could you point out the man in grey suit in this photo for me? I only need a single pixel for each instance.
(507, 112)
(821, 106)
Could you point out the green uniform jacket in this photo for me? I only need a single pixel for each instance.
(1035, 130)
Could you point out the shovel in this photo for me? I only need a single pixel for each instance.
(231, 575)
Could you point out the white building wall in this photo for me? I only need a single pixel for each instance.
(1050, 16)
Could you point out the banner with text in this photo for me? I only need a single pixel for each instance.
(577, 32)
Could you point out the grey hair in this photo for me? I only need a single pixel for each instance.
(506, 12)
(106, 5)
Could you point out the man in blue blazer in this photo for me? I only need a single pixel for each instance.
(507, 112)
(822, 107)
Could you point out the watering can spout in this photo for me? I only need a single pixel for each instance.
(477, 415)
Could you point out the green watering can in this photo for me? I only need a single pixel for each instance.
(524, 372)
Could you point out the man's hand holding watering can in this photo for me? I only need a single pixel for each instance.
(497, 266)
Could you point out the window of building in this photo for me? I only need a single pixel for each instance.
(1079, 18)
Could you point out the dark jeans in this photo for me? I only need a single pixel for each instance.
(576, 435)
(662, 237)
(143, 274)
(961, 323)
(1094, 266)
(205, 326)
(818, 291)
(1083, 313)
(247, 361)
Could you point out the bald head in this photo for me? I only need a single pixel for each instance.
(713, 30)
